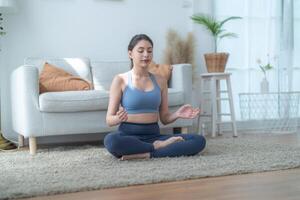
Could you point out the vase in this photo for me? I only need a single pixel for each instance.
(264, 86)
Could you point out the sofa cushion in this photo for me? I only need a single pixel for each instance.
(74, 101)
(75, 66)
(175, 97)
(54, 79)
(163, 70)
(91, 100)
(104, 72)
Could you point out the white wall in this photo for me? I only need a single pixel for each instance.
(98, 29)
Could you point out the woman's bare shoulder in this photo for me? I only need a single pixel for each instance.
(120, 80)
(120, 77)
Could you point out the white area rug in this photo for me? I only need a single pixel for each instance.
(81, 168)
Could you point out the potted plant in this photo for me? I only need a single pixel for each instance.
(215, 62)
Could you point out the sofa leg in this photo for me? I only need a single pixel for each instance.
(32, 145)
(20, 141)
(184, 130)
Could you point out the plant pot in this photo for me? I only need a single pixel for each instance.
(216, 62)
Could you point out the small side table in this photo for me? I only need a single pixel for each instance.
(214, 94)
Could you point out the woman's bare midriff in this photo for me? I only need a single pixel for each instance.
(143, 118)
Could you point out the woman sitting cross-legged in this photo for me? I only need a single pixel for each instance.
(138, 99)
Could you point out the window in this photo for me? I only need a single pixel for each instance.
(260, 37)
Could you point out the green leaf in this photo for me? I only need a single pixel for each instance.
(220, 31)
(232, 35)
(228, 19)
(262, 69)
(207, 21)
(268, 66)
(214, 26)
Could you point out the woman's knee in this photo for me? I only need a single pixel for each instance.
(112, 141)
(199, 141)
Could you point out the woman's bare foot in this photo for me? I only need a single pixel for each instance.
(160, 144)
(136, 156)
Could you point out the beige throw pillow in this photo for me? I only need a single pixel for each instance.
(163, 70)
(54, 79)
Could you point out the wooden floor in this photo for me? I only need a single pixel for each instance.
(276, 185)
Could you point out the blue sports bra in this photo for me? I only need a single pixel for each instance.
(136, 101)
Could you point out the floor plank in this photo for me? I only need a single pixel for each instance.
(275, 185)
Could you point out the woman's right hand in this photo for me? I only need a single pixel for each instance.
(122, 115)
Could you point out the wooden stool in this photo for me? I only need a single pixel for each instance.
(214, 94)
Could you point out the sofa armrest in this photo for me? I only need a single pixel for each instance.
(181, 79)
(26, 116)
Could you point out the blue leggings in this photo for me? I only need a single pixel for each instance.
(133, 138)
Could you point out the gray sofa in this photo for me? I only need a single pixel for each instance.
(78, 112)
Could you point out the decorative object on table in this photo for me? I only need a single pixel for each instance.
(264, 84)
(180, 50)
(215, 62)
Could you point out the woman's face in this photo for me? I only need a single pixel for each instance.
(141, 54)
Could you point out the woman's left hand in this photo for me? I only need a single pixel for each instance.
(187, 112)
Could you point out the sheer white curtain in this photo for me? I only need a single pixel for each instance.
(286, 59)
(259, 33)
(294, 6)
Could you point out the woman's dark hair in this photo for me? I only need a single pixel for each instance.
(133, 42)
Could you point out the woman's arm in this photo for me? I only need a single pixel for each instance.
(165, 116)
(115, 116)
(185, 111)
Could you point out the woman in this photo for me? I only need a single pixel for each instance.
(138, 99)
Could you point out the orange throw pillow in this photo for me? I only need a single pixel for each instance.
(54, 79)
(163, 70)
